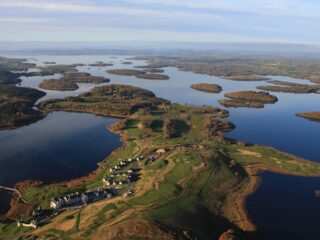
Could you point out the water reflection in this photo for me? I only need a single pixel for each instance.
(61, 146)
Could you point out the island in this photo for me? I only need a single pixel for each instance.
(53, 69)
(207, 87)
(69, 81)
(81, 77)
(153, 70)
(175, 166)
(248, 99)
(138, 74)
(246, 78)
(58, 85)
(153, 76)
(125, 72)
(152, 65)
(290, 87)
(100, 64)
(126, 62)
(49, 62)
(313, 116)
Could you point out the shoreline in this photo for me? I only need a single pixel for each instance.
(14, 201)
(246, 223)
(236, 205)
(240, 209)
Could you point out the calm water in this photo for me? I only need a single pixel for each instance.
(285, 207)
(60, 147)
(275, 125)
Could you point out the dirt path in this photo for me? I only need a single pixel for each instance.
(15, 191)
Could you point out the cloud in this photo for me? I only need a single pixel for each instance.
(111, 10)
(300, 8)
(23, 20)
(186, 19)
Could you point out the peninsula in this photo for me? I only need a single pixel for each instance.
(175, 165)
(313, 116)
(16, 106)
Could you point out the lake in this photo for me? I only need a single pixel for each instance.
(59, 147)
(276, 125)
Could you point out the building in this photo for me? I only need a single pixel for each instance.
(32, 224)
(160, 151)
(78, 199)
(56, 203)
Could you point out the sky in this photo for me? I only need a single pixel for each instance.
(283, 21)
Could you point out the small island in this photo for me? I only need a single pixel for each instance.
(69, 81)
(153, 76)
(125, 72)
(207, 87)
(49, 62)
(153, 70)
(100, 64)
(246, 78)
(53, 69)
(138, 74)
(313, 116)
(126, 63)
(81, 77)
(153, 65)
(58, 85)
(248, 99)
(290, 87)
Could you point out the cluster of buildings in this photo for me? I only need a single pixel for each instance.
(120, 174)
(80, 199)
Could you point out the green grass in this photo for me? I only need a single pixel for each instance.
(158, 165)
(99, 220)
(275, 159)
(169, 188)
(7, 230)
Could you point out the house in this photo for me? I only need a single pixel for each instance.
(32, 224)
(160, 151)
(108, 180)
(74, 198)
(56, 203)
(128, 193)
